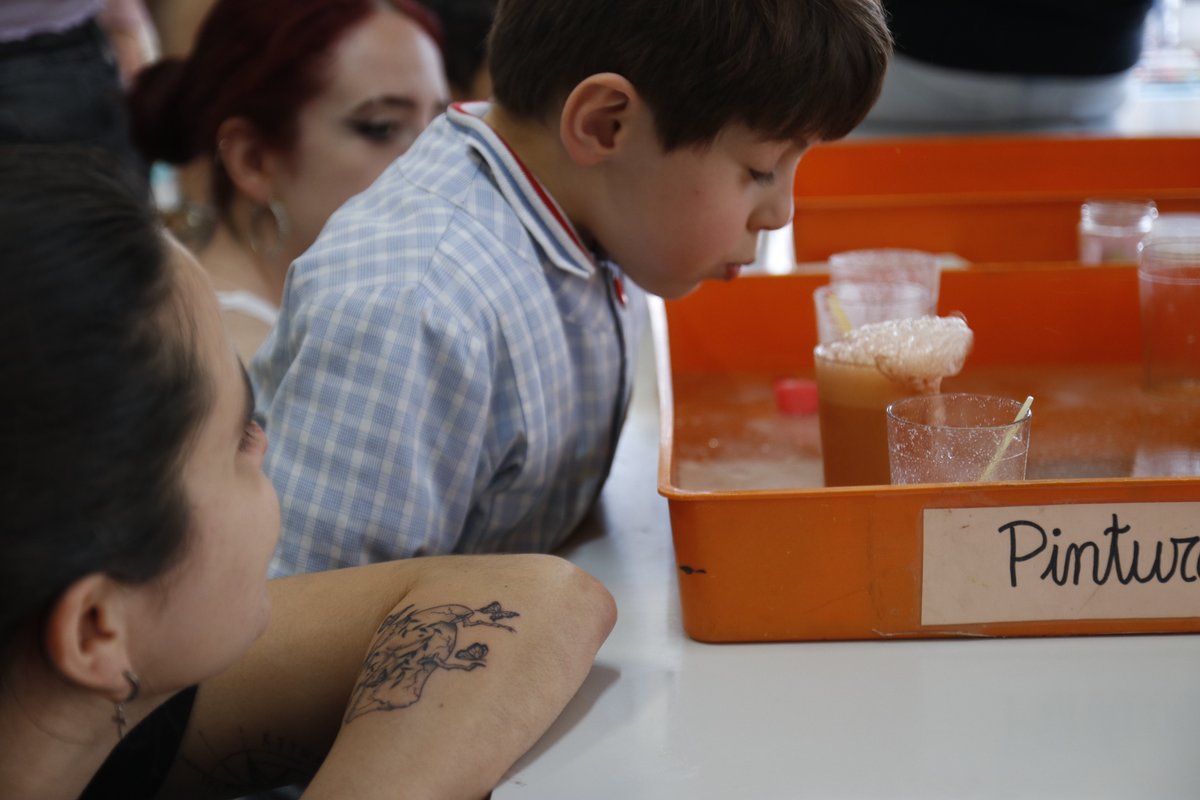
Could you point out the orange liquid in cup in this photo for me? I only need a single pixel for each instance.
(852, 403)
(859, 376)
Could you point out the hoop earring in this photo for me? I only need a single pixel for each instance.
(135, 688)
(279, 217)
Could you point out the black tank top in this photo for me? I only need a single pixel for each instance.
(138, 765)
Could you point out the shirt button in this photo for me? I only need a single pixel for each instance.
(619, 288)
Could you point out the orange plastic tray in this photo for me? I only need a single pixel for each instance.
(987, 199)
(801, 561)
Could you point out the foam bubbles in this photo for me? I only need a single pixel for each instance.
(918, 351)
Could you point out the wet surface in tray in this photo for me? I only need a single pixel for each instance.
(1092, 421)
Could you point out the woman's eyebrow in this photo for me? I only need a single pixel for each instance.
(388, 101)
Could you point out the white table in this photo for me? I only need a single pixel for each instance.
(662, 716)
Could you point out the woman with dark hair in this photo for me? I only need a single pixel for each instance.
(297, 105)
(139, 655)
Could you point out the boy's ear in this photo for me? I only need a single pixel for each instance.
(86, 636)
(246, 160)
(596, 116)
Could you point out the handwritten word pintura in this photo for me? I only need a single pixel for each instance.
(1124, 560)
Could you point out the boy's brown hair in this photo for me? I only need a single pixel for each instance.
(786, 69)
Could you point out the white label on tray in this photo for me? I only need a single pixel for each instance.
(1023, 563)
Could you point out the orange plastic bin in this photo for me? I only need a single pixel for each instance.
(766, 552)
(986, 199)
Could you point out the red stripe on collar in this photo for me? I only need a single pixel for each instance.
(550, 205)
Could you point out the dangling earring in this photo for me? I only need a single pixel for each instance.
(279, 217)
(135, 687)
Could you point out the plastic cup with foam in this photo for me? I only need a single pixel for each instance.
(873, 366)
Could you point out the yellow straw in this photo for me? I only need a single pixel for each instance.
(838, 313)
(1008, 437)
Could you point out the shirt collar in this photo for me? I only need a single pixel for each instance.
(537, 210)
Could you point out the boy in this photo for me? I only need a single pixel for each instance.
(452, 363)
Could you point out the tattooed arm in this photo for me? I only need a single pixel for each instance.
(420, 678)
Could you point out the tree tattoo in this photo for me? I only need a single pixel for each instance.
(411, 645)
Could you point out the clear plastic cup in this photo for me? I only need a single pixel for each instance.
(1111, 231)
(841, 307)
(888, 265)
(1174, 225)
(1169, 298)
(957, 438)
(858, 377)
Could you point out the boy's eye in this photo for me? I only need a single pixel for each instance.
(763, 178)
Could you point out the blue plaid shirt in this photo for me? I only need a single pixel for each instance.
(451, 367)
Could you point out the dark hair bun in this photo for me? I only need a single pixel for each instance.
(157, 113)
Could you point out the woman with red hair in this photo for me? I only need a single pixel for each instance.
(298, 105)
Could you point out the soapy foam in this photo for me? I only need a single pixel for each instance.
(918, 351)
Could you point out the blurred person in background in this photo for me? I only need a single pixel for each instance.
(62, 66)
(177, 22)
(298, 105)
(1016, 65)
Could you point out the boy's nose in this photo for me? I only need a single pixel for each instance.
(776, 210)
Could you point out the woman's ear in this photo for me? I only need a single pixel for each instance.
(86, 636)
(246, 161)
(596, 116)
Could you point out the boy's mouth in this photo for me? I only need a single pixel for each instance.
(732, 271)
